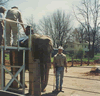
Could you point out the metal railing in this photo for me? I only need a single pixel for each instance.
(4, 32)
(5, 47)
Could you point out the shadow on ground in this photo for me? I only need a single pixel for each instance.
(53, 93)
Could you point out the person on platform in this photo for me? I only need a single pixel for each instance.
(2, 13)
(23, 40)
(13, 14)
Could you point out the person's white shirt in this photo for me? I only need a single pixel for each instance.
(1, 16)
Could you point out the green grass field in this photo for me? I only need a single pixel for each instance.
(96, 57)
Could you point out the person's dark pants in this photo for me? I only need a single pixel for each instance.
(24, 44)
(59, 72)
(1, 32)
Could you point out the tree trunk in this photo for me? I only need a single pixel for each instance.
(81, 62)
(93, 45)
(72, 62)
(88, 60)
(89, 45)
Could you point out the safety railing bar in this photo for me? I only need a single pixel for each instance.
(12, 66)
(10, 79)
(25, 72)
(8, 20)
(20, 48)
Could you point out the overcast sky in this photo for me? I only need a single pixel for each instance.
(40, 8)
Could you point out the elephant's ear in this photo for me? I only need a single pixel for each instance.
(47, 41)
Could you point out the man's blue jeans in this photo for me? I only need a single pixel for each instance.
(59, 72)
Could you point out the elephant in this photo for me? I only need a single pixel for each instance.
(41, 48)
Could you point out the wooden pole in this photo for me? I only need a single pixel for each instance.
(34, 76)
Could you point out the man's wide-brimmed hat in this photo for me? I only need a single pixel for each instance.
(60, 47)
(14, 7)
(2, 9)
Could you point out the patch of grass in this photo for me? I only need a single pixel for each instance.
(69, 59)
(95, 58)
(6, 56)
(51, 59)
(98, 54)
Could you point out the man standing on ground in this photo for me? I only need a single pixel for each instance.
(59, 64)
(13, 14)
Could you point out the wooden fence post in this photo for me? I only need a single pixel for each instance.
(34, 76)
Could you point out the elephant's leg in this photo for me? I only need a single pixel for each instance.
(45, 76)
(42, 68)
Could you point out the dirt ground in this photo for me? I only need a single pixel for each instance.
(78, 81)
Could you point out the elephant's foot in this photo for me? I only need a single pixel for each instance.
(43, 87)
(43, 90)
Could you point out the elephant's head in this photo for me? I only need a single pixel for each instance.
(41, 47)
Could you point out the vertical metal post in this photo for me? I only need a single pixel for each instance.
(2, 71)
(18, 36)
(24, 72)
(4, 35)
(30, 38)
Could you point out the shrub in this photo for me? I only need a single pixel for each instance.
(71, 53)
(80, 53)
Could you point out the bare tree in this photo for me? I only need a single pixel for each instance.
(30, 21)
(84, 13)
(79, 34)
(95, 14)
(97, 41)
(3, 2)
(57, 26)
(89, 18)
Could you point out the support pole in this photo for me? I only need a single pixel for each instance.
(34, 76)
(2, 75)
(24, 72)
